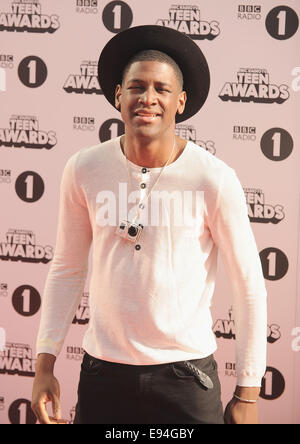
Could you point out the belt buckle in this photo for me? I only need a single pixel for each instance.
(202, 377)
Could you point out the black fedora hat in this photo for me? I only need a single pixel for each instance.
(178, 46)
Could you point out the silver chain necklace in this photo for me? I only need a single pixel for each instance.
(131, 230)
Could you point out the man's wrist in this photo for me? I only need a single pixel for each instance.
(45, 363)
(250, 393)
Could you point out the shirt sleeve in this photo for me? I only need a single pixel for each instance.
(231, 231)
(68, 270)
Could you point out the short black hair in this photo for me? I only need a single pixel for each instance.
(154, 55)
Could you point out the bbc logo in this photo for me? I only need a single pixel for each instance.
(244, 129)
(249, 8)
(91, 3)
(76, 350)
(84, 120)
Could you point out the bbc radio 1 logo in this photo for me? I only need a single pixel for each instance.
(253, 85)
(187, 19)
(276, 143)
(188, 132)
(21, 245)
(26, 15)
(259, 211)
(86, 82)
(24, 131)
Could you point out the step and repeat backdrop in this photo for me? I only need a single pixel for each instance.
(52, 106)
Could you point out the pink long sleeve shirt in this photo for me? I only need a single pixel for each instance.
(150, 299)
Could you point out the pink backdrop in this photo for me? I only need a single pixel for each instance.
(51, 106)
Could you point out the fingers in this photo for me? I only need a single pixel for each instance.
(41, 413)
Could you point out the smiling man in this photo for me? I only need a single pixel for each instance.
(149, 344)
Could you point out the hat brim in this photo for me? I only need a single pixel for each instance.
(186, 53)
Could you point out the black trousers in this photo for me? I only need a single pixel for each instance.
(113, 393)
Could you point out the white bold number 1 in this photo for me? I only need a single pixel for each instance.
(268, 383)
(117, 16)
(32, 72)
(26, 301)
(281, 22)
(22, 412)
(276, 144)
(29, 187)
(272, 264)
(113, 130)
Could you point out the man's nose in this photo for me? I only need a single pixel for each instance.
(149, 96)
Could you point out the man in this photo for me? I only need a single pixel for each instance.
(149, 345)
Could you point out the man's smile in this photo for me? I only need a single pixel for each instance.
(146, 116)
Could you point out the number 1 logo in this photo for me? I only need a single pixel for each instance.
(117, 16)
(32, 71)
(276, 144)
(274, 263)
(282, 22)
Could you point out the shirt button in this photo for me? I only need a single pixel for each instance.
(143, 185)
(138, 247)
(142, 206)
(144, 170)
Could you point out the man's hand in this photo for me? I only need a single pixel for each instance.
(45, 389)
(239, 412)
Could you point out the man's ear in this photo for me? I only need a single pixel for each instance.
(181, 102)
(118, 93)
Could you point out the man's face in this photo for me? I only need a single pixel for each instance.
(149, 98)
